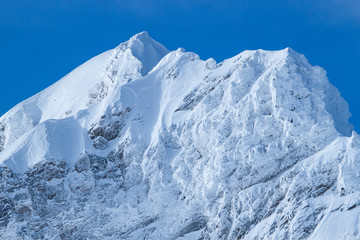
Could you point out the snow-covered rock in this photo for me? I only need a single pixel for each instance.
(143, 143)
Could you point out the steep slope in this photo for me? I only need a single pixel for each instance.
(142, 143)
(78, 91)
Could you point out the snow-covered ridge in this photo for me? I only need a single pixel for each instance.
(147, 143)
(85, 86)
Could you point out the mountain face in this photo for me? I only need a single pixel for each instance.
(143, 143)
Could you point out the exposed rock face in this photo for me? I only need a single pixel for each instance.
(2, 137)
(164, 145)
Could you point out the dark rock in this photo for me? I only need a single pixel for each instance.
(6, 210)
(22, 213)
(48, 170)
(97, 163)
(100, 143)
(83, 164)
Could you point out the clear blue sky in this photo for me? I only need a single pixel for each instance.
(41, 41)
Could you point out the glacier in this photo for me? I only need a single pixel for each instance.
(141, 142)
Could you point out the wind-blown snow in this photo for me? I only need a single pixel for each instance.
(143, 143)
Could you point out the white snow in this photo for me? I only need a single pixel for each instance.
(255, 147)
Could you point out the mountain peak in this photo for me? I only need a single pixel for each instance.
(148, 51)
(141, 36)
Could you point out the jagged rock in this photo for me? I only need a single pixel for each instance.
(100, 143)
(83, 164)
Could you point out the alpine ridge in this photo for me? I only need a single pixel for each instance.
(144, 143)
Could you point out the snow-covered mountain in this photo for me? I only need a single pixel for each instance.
(143, 143)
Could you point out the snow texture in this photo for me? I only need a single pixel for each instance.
(143, 143)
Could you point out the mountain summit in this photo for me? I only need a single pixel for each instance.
(143, 143)
(146, 50)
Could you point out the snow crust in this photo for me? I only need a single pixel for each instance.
(143, 143)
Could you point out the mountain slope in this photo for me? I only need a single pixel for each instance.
(142, 143)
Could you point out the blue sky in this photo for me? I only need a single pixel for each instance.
(41, 41)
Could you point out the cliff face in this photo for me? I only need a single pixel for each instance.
(143, 143)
